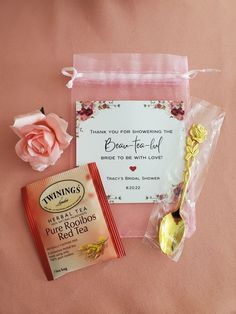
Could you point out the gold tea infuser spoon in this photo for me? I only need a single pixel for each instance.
(172, 225)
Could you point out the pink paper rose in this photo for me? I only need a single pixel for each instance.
(42, 138)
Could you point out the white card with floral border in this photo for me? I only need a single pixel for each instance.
(138, 147)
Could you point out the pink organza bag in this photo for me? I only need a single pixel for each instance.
(128, 77)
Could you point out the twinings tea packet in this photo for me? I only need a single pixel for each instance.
(71, 221)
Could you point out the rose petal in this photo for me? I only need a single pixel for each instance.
(21, 150)
(39, 146)
(26, 119)
(42, 146)
(46, 148)
(38, 167)
(83, 117)
(34, 129)
(59, 126)
(49, 138)
(38, 150)
(40, 163)
(55, 154)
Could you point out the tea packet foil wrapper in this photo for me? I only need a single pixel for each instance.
(71, 221)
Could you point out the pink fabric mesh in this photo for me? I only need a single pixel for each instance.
(131, 219)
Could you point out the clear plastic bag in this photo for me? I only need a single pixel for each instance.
(211, 118)
(101, 77)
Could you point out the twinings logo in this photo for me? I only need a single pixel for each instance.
(62, 196)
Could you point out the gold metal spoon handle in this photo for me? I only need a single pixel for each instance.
(197, 135)
(171, 232)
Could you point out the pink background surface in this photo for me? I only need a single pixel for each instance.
(38, 38)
